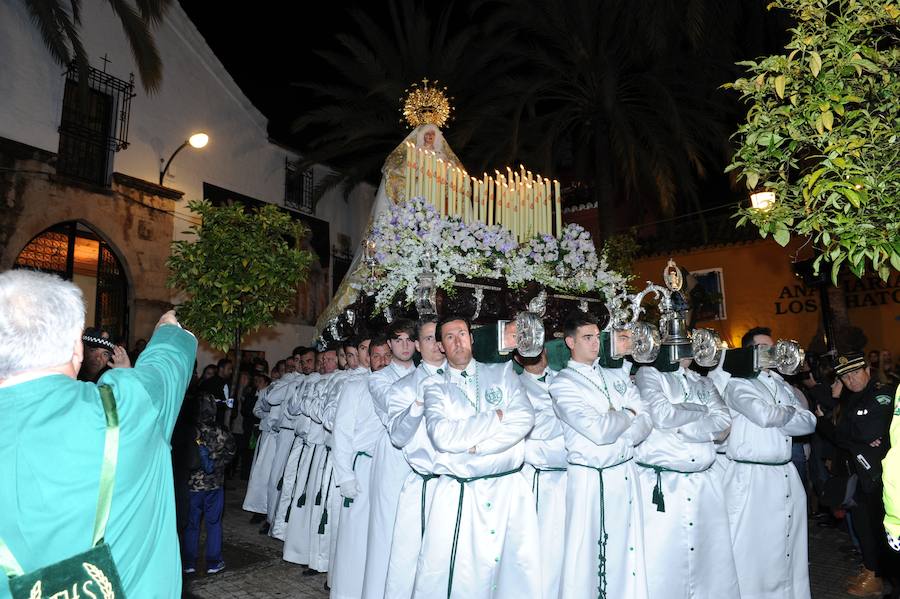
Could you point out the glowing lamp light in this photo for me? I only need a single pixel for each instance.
(198, 140)
(762, 200)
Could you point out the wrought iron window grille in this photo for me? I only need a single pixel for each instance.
(94, 124)
(298, 187)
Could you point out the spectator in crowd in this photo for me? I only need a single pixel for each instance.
(861, 429)
(887, 374)
(241, 425)
(100, 354)
(58, 426)
(209, 371)
(215, 449)
(217, 386)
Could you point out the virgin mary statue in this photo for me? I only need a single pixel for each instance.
(425, 109)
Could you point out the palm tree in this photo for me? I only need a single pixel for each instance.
(359, 123)
(59, 24)
(622, 97)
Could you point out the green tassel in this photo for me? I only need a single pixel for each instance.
(302, 501)
(280, 483)
(319, 497)
(287, 514)
(347, 501)
(658, 500)
(323, 522)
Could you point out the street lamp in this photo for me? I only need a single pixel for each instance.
(762, 199)
(197, 140)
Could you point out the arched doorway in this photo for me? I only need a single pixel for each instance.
(77, 253)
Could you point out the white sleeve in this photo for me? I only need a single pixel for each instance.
(664, 413)
(518, 419)
(454, 435)
(741, 397)
(712, 427)
(602, 428)
(343, 452)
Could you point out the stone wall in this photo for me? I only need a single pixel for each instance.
(134, 217)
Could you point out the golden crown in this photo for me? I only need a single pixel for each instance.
(426, 105)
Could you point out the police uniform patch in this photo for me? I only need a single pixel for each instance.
(620, 387)
(493, 396)
(883, 400)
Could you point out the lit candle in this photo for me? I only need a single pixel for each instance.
(558, 209)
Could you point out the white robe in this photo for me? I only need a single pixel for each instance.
(766, 503)
(389, 471)
(282, 391)
(320, 469)
(687, 545)
(356, 431)
(289, 472)
(257, 487)
(545, 470)
(406, 426)
(602, 491)
(329, 411)
(481, 536)
(296, 533)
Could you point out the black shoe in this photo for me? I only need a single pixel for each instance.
(327, 588)
(264, 529)
(309, 572)
(257, 518)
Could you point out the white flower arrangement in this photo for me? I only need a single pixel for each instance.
(413, 237)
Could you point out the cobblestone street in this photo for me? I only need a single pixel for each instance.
(256, 570)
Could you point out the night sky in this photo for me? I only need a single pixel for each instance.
(267, 46)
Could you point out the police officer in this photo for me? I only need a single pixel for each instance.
(862, 430)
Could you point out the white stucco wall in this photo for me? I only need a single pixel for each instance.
(197, 94)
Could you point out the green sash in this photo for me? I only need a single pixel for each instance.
(93, 572)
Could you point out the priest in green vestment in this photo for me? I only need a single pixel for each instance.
(52, 438)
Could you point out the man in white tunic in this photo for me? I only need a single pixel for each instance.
(281, 391)
(545, 469)
(687, 545)
(389, 467)
(406, 415)
(356, 431)
(603, 419)
(357, 357)
(315, 491)
(481, 538)
(286, 483)
(257, 487)
(765, 498)
(297, 523)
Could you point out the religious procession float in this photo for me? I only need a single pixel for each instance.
(493, 248)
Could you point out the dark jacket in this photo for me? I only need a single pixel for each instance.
(219, 449)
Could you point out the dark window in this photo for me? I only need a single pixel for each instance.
(94, 125)
(298, 187)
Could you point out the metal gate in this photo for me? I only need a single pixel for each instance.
(53, 251)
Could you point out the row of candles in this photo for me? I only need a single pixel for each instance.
(524, 204)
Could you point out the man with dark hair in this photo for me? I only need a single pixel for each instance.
(295, 509)
(765, 498)
(862, 430)
(389, 468)
(406, 426)
(356, 432)
(603, 419)
(681, 496)
(351, 353)
(545, 468)
(217, 386)
(477, 417)
(749, 338)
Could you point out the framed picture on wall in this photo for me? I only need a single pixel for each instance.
(707, 296)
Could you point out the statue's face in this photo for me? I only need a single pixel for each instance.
(429, 139)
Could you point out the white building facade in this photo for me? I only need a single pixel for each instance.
(106, 203)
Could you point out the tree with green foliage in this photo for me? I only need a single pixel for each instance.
(822, 134)
(240, 270)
